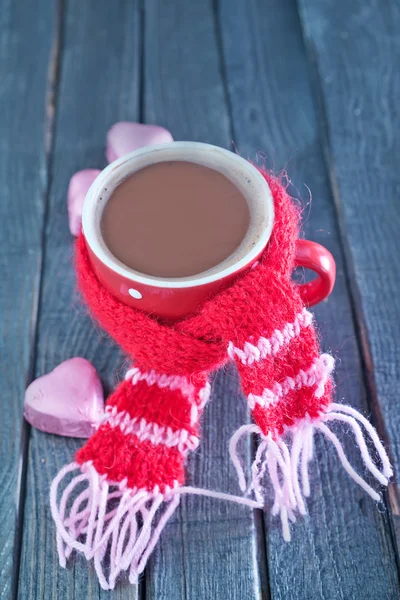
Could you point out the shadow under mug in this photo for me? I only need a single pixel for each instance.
(176, 297)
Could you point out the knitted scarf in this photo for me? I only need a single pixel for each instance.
(112, 503)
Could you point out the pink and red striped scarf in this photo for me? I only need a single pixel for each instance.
(112, 503)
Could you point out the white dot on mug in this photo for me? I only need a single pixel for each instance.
(135, 294)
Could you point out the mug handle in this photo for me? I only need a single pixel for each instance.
(311, 255)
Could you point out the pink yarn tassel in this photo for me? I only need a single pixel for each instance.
(114, 525)
(287, 467)
(116, 538)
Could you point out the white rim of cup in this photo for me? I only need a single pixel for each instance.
(217, 158)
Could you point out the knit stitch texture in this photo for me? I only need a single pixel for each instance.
(136, 457)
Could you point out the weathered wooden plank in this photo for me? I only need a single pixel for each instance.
(209, 550)
(98, 85)
(23, 183)
(359, 88)
(344, 548)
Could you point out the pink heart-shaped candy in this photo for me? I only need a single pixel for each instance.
(77, 190)
(67, 401)
(124, 137)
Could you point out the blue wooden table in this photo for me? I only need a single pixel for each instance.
(311, 87)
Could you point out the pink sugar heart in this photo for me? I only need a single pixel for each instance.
(77, 190)
(67, 401)
(124, 137)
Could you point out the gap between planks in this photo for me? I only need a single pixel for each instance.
(391, 496)
(48, 132)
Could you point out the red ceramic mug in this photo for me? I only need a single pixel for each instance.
(176, 297)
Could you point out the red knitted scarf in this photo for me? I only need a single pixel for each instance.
(131, 472)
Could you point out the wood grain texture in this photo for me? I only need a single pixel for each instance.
(23, 183)
(343, 549)
(359, 102)
(210, 548)
(213, 72)
(99, 84)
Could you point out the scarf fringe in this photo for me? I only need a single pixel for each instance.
(288, 466)
(112, 524)
(109, 523)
